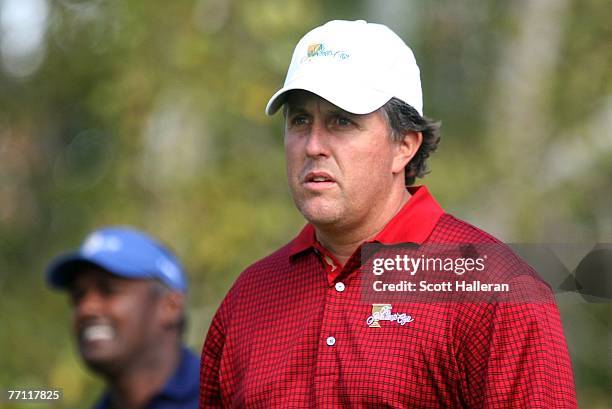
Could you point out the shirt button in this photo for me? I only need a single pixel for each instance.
(330, 341)
(340, 287)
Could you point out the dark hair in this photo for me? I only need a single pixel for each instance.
(402, 118)
(159, 288)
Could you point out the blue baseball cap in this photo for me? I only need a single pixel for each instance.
(124, 252)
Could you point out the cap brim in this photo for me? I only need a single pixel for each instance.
(347, 95)
(62, 270)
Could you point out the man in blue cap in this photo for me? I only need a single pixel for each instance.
(128, 298)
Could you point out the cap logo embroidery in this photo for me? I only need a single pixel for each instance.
(319, 50)
(382, 312)
(98, 242)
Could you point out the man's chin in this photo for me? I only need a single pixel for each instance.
(100, 359)
(321, 217)
(319, 210)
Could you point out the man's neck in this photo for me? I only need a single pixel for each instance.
(134, 388)
(342, 242)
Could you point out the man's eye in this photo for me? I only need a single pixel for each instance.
(109, 289)
(343, 121)
(76, 296)
(299, 120)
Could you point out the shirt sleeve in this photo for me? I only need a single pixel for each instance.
(210, 363)
(516, 357)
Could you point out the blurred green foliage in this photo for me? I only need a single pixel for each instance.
(150, 114)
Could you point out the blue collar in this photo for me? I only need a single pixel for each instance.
(181, 390)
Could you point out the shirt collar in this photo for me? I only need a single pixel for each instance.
(412, 224)
(186, 378)
(183, 385)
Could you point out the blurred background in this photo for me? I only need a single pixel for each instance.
(150, 113)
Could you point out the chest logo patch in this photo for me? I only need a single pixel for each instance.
(383, 312)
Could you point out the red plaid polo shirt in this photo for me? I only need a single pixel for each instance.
(292, 333)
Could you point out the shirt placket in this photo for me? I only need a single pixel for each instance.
(332, 335)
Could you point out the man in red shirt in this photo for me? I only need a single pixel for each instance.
(298, 329)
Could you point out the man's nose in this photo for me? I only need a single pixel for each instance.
(317, 143)
(89, 305)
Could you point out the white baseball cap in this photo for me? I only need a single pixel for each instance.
(355, 65)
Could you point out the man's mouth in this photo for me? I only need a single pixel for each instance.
(318, 180)
(97, 332)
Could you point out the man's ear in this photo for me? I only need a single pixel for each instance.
(172, 306)
(406, 149)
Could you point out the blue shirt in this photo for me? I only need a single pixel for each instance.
(181, 390)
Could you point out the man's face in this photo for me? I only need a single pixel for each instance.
(115, 319)
(340, 166)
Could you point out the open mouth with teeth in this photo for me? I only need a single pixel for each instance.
(98, 332)
(318, 181)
